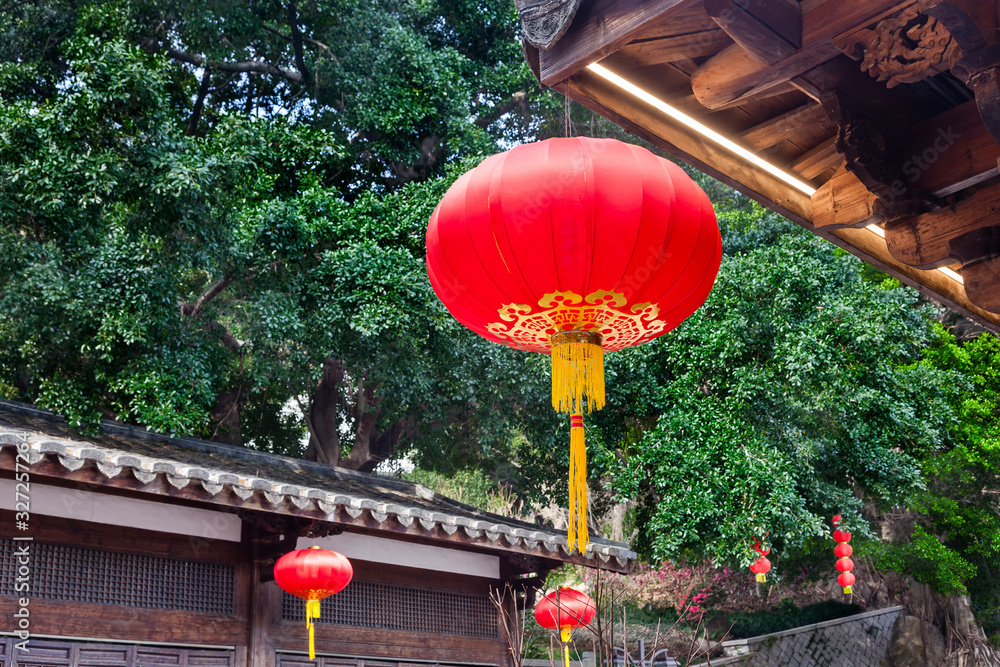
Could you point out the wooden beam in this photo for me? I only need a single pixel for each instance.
(950, 152)
(659, 50)
(817, 160)
(733, 75)
(785, 126)
(602, 97)
(844, 201)
(923, 241)
(770, 30)
(635, 116)
(600, 28)
(871, 248)
(982, 284)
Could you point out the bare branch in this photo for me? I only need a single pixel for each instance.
(293, 24)
(255, 66)
(324, 49)
(192, 310)
(199, 104)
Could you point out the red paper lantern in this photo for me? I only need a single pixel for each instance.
(313, 574)
(565, 609)
(844, 564)
(761, 567)
(573, 247)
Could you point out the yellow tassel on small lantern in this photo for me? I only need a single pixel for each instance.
(578, 532)
(312, 613)
(577, 372)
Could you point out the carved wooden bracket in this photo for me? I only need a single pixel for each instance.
(872, 153)
(979, 61)
(543, 22)
(905, 48)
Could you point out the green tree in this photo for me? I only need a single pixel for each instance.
(211, 222)
(785, 399)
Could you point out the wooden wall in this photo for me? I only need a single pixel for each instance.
(252, 624)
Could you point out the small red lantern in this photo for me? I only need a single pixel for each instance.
(843, 550)
(565, 609)
(313, 574)
(762, 565)
(573, 247)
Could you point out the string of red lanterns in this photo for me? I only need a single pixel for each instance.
(843, 551)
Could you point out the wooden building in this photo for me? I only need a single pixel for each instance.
(873, 123)
(138, 549)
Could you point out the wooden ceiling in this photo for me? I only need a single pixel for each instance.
(890, 110)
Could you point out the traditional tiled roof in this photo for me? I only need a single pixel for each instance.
(237, 476)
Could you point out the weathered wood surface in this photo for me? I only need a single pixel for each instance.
(75, 619)
(543, 22)
(817, 160)
(384, 643)
(950, 152)
(600, 28)
(783, 126)
(844, 201)
(981, 281)
(769, 30)
(587, 89)
(733, 75)
(924, 240)
(601, 96)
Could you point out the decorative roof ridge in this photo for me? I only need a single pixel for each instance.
(73, 453)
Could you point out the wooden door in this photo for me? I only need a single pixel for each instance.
(46, 653)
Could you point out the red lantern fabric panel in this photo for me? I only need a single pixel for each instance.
(313, 574)
(573, 234)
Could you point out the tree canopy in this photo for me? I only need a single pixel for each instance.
(212, 223)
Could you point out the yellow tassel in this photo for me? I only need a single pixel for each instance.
(578, 533)
(847, 590)
(312, 612)
(577, 372)
(761, 577)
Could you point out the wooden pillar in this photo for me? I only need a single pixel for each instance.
(265, 606)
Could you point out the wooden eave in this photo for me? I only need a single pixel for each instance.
(126, 459)
(903, 157)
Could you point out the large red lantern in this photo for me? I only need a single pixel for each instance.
(573, 247)
(565, 609)
(313, 574)
(843, 550)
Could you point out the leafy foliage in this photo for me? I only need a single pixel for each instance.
(764, 410)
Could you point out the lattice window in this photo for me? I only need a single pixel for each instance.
(369, 605)
(104, 577)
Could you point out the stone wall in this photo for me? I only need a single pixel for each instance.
(854, 641)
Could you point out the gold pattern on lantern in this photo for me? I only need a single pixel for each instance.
(601, 312)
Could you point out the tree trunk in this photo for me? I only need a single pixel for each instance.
(322, 418)
(226, 417)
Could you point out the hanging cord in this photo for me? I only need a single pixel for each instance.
(565, 115)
